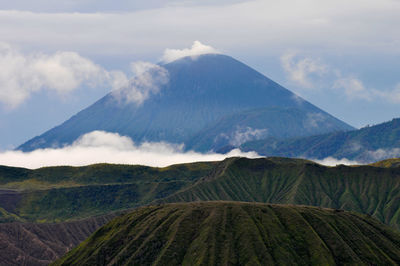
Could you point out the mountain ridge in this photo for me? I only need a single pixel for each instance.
(365, 145)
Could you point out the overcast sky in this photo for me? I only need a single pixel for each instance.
(343, 56)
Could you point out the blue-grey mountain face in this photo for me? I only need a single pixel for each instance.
(365, 145)
(208, 102)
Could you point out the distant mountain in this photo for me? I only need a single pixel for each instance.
(227, 233)
(366, 145)
(208, 102)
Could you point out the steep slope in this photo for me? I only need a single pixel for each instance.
(238, 234)
(364, 189)
(54, 194)
(199, 92)
(40, 244)
(366, 145)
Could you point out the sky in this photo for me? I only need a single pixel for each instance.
(58, 57)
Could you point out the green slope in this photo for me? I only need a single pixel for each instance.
(63, 193)
(364, 189)
(68, 193)
(217, 233)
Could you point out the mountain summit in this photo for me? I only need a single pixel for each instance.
(207, 102)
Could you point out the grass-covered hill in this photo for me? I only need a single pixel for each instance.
(54, 194)
(227, 233)
(67, 193)
(364, 189)
(368, 144)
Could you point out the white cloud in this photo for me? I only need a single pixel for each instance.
(299, 70)
(242, 135)
(313, 120)
(330, 161)
(63, 72)
(21, 75)
(382, 154)
(392, 96)
(263, 26)
(197, 49)
(105, 147)
(304, 70)
(148, 80)
(353, 88)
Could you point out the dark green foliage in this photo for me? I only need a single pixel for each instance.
(217, 233)
(366, 145)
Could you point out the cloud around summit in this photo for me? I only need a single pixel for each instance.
(196, 49)
(63, 72)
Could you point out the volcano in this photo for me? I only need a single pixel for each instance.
(209, 102)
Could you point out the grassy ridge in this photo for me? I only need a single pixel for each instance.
(99, 189)
(365, 189)
(67, 176)
(55, 194)
(228, 233)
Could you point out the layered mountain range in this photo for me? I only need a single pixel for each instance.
(68, 198)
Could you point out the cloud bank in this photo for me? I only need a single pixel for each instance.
(260, 24)
(105, 147)
(331, 161)
(197, 49)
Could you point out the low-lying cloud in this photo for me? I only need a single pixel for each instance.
(106, 147)
(382, 154)
(197, 49)
(245, 134)
(331, 161)
(314, 120)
